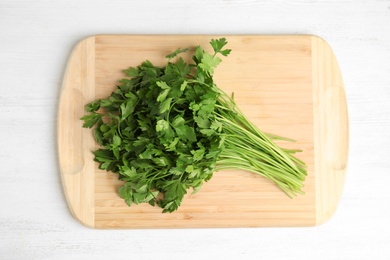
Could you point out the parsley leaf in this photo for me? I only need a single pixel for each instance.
(209, 63)
(218, 44)
(91, 119)
(175, 53)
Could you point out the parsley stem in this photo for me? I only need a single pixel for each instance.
(246, 147)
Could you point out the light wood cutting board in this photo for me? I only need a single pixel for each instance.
(287, 85)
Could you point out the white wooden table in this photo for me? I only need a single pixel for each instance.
(36, 40)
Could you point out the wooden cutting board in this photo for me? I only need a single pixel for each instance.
(287, 85)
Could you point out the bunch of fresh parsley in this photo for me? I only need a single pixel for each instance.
(166, 129)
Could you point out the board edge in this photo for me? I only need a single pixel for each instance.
(331, 129)
(76, 177)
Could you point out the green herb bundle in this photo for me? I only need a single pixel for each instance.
(167, 129)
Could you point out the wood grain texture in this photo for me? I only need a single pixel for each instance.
(287, 85)
(331, 129)
(75, 143)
